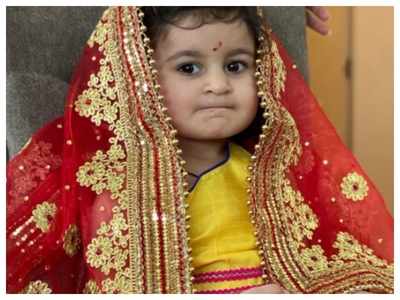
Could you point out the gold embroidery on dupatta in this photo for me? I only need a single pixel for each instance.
(132, 237)
(36, 287)
(43, 214)
(71, 240)
(91, 288)
(108, 252)
(354, 187)
(283, 219)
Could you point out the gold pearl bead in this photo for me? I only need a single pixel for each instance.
(253, 157)
(257, 74)
(141, 14)
(150, 51)
(265, 115)
(183, 162)
(168, 119)
(160, 98)
(154, 72)
(263, 104)
(262, 136)
(260, 94)
(258, 61)
(143, 28)
(257, 147)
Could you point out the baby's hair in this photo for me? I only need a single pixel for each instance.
(156, 18)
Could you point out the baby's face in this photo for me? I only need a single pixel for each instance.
(207, 78)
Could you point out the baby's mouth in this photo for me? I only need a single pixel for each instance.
(216, 107)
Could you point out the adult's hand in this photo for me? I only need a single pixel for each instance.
(317, 17)
(266, 289)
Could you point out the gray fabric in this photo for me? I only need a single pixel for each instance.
(33, 100)
(289, 24)
(44, 44)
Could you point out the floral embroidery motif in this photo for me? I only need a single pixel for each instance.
(352, 250)
(354, 187)
(43, 214)
(109, 250)
(35, 169)
(71, 240)
(96, 101)
(91, 288)
(301, 217)
(37, 287)
(314, 259)
(104, 171)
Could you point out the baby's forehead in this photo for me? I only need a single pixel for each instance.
(188, 33)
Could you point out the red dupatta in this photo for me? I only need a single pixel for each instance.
(96, 199)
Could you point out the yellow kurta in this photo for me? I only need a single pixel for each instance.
(222, 237)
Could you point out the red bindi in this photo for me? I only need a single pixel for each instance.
(219, 46)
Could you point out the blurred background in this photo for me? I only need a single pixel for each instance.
(351, 74)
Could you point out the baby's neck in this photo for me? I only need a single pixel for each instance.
(201, 155)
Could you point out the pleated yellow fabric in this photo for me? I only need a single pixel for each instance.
(222, 236)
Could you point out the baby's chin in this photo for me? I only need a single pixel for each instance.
(210, 133)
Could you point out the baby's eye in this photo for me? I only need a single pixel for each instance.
(236, 66)
(188, 68)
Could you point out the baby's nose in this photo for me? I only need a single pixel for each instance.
(218, 82)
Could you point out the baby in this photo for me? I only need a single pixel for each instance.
(206, 73)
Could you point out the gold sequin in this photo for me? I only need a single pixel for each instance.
(42, 213)
(354, 186)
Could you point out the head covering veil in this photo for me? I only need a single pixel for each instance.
(96, 199)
